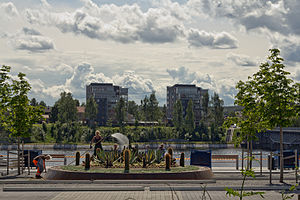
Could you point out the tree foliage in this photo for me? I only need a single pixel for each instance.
(121, 111)
(189, 118)
(66, 108)
(91, 110)
(17, 115)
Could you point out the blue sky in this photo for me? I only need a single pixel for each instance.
(145, 45)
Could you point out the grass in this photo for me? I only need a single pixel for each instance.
(132, 170)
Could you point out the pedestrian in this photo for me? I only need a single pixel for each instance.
(39, 162)
(97, 139)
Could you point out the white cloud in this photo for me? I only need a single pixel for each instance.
(9, 9)
(241, 60)
(135, 83)
(84, 74)
(31, 40)
(224, 87)
(297, 75)
(213, 40)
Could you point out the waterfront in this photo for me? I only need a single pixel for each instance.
(70, 154)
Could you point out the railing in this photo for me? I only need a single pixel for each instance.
(58, 156)
(225, 158)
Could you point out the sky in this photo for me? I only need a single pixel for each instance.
(145, 45)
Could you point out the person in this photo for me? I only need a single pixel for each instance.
(39, 162)
(97, 140)
(162, 149)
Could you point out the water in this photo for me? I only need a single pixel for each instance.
(70, 154)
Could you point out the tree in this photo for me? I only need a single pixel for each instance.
(120, 111)
(91, 111)
(17, 115)
(153, 109)
(276, 95)
(67, 110)
(33, 102)
(189, 118)
(178, 116)
(205, 103)
(271, 97)
(144, 108)
(133, 109)
(217, 110)
(42, 103)
(54, 113)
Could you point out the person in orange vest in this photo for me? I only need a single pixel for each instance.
(39, 162)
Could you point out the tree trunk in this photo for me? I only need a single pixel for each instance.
(281, 155)
(19, 171)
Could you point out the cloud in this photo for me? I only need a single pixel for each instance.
(241, 60)
(297, 75)
(124, 24)
(9, 9)
(135, 83)
(225, 87)
(84, 74)
(31, 40)
(221, 40)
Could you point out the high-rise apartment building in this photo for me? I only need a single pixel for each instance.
(185, 92)
(106, 96)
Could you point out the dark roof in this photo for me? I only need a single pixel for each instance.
(98, 84)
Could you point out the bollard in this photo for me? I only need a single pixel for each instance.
(242, 159)
(296, 165)
(261, 162)
(271, 156)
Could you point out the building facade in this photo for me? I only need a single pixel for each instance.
(106, 96)
(185, 92)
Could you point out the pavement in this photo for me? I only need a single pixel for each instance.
(25, 187)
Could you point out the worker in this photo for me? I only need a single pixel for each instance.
(39, 162)
(97, 139)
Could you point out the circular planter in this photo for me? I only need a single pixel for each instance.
(56, 173)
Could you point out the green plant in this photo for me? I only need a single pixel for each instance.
(168, 162)
(126, 160)
(159, 156)
(182, 159)
(285, 196)
(77, 157)
(87, 161)
(241, 194)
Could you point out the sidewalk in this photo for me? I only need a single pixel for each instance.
(25, 187)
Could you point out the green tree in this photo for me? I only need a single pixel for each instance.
(91, 111)
(33, 102)
(133, 109)
(189, 118)
(276, 95)
(153, 110)
(205, 103)
(42, 103)
(54, 113)
(120, 111)
(144, 108)
(17, 115)
(178, 116)
(217, 110)
(67, 110)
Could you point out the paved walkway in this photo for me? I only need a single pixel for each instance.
(26, 188)
(146, 195)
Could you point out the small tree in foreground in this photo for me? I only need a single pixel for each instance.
(17, 115)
